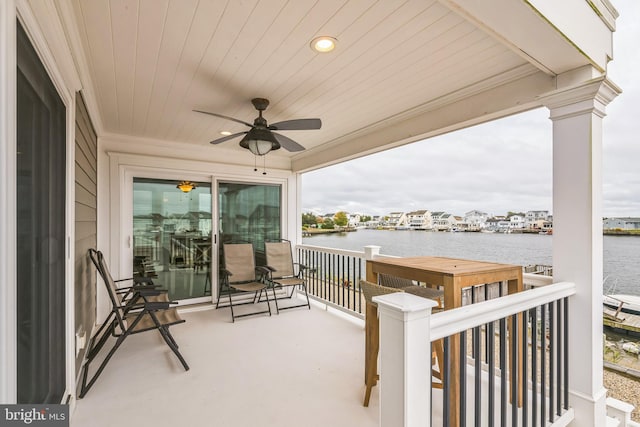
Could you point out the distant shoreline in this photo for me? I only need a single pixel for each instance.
(608, 232)
(621, 232)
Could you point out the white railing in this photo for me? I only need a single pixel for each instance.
(348, 298)
(406, 386)
(469, 316)
(336, 280)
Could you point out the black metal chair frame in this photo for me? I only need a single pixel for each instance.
(130, 306)
(278, 282)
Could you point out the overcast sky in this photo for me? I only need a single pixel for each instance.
(496, 167)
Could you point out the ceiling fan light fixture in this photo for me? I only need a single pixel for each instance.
(323, 44)
(259, 141)
(259, 147)
(186, 186)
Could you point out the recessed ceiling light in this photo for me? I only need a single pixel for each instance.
(225, 133)
(323, 44)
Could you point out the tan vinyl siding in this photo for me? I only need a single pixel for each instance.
(85, 226)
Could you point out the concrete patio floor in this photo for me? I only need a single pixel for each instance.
(302, 367)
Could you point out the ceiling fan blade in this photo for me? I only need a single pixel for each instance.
(226, 138)
(224, 117)
(297, 124)
(288, 143)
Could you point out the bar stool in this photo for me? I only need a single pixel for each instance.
(372, 339)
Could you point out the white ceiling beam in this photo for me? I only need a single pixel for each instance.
(435, 118)
(580, 31)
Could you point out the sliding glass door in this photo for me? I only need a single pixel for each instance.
(174, 238)
(40, 229)
(249, 213)
(172, 232)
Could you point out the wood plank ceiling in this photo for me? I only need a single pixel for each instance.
(152, 61)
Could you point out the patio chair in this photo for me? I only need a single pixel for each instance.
(372, 339)
(408, 286)
(372, 334)
(240, 274)
(282, 272)
(135, 309)
(411, 288)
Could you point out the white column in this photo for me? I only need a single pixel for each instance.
(405, 360)
(8, 340)
(577, 115)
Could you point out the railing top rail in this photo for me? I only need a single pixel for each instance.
(536, 279)
(359, 254)
(469, 316)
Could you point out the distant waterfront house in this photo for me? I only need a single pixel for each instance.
(354, 219)
(533, 218)
(537, 225)
(623, 223)
(475, 220)
(498, 223)
(516, 222)
(443, 221)
(397, 219)
(420, 220)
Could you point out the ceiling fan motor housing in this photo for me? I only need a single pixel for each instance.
(261, 104)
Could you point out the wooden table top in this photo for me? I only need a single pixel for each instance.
(448, 266)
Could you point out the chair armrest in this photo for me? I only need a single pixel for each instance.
(302, 268)
(152, 305)
(149, 292)
(157, 305)
(147, 281)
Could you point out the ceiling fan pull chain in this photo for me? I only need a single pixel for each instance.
(264, 165)
(255, 163)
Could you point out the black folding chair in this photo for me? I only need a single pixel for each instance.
(138, 308)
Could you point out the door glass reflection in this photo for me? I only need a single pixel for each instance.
(172, 236)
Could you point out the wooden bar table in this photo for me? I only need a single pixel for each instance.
(453, 275)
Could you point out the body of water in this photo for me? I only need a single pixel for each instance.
(621, 253)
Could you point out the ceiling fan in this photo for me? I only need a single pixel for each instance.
(260, 138)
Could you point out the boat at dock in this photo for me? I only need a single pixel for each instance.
(623, 303)
(622, 312)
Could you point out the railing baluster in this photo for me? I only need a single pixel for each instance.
(463, 379)
(513, 372)
(343, 280)
(446, 382)
(478, 374)
(525, 368)
(543, 364)
(323, 282)
(552, 349)
(491, 344)
(566, 353)
(503, 372)
(316, 276)
(351, 272)
(559, 357)
(332, 267)
(358, 295)
(534, 367)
